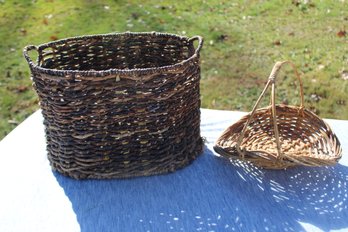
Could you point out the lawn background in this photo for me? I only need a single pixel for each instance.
(243, 39)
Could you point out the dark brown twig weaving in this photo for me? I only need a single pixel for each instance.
(280, 136)
(119, 105)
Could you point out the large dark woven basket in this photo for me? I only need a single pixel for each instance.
(119, 105)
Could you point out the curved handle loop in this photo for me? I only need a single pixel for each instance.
(200, 43)
(274, 74)
(26, 55)
(271, 81)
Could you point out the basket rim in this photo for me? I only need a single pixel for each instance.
(113, 71)
(244, 118)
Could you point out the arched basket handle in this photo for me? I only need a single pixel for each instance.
(271, 81)
(26, 55)
(200, 43)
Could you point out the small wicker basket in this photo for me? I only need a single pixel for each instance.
(280, 136)
(119, 105)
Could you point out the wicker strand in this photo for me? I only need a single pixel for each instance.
(240, 138)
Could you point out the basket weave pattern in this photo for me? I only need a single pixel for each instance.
(119, 105)
(280, 136)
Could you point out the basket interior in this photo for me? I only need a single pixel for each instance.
(299, 134)
(115, 52)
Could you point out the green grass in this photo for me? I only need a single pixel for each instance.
(243, 39)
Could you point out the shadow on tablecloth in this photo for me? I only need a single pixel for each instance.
(214, 195)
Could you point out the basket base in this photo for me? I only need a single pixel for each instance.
(100, 173)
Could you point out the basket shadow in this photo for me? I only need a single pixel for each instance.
(212, 194)
(314, 198)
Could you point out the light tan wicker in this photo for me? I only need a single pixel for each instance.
(280, 136)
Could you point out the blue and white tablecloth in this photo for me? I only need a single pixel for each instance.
(212, 194)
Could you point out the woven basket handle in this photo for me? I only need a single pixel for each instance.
(274, 74)
(26, 55)
(271, 81)
(200, 43)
